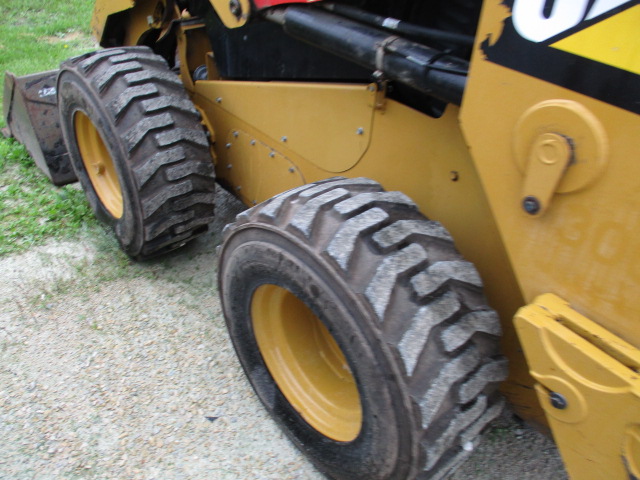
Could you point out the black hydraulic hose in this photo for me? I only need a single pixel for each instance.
(427, 70)
(403, 28)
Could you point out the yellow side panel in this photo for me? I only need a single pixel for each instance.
(612, 41)
(246, 160)
(329, 125)
(588, 385)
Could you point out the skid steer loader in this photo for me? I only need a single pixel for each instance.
(367, 136)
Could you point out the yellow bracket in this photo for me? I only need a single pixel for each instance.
(549, 159)
(589, 386)
(560, 147)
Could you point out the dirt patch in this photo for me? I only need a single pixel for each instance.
(75, 38)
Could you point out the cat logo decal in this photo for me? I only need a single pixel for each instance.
(589, 46)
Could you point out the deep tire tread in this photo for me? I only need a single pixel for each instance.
(168, 150)
(423, 295)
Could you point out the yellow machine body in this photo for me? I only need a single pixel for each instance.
(584, 246)
(588, 385)
(537, 182)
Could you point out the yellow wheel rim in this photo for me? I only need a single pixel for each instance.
(99, 165)
(306, 363)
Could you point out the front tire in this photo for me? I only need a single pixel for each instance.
(362, 330)
(137, 147)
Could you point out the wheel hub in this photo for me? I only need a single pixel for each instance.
(98, 164)
(306, 362)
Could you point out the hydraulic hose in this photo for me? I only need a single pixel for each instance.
(426, 69)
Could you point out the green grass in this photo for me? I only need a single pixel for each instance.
(36, 35)
(32, 210)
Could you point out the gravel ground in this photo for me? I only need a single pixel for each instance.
(115, 370)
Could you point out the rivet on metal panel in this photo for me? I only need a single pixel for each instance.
(219, 100)
(272, 154)
(360, 131)
(284, 138)
(228, 145)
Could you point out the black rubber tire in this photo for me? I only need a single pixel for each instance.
(154, 137)
(407, 311)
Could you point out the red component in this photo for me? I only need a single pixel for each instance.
(272, 3)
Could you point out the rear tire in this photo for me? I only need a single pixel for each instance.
(402, 317)
(137, 147)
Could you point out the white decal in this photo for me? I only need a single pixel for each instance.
(531, 23)
(47, 92)
(603, 6)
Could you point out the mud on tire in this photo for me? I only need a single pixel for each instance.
(138, 148)
(403, 307)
